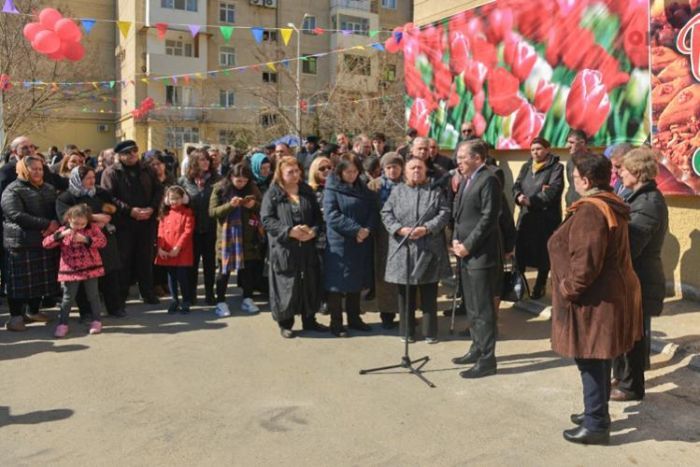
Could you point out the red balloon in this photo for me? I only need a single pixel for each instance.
(49, 16)
(73, 51)
(46, 42)
(57, 56)
(31, 30)
(67, 30)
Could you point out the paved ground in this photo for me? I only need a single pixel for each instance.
(170, 390)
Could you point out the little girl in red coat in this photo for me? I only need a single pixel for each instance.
(81, 264)
(175, 249)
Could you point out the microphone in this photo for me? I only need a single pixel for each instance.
(441, 181)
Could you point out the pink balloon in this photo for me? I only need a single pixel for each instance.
(57, 56)
(31, 29)
(49, 16)
(46, 42)
(67, 30)
(73, 51)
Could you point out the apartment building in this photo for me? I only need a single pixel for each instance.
(224, 106)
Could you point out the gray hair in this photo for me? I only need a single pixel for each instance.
(16, 142)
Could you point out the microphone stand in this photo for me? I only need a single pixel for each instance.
(406, 361)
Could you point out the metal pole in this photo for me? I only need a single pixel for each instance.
(298, 120)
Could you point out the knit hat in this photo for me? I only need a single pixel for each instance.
(392, 158)
(125, 146)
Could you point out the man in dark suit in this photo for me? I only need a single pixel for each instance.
(476, 242)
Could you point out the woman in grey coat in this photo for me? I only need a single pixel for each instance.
(426, 249)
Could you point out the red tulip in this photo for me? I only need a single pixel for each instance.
(458, 23)
(459, 52)
(503, 92)
(500, 24)
(419, 118)
(475, 75)
(485, 52)
(475, 27)
(479, 99)
(535, 20)
(442, 80)
(526, 125)
(520, 56)
(634, 37)
(588, 104)
(506, 143)
(554, 44)
(415, 86)
(479, 123)
(594, 57)
(576, 45)
(544, 96)
(454, 99)
(430, 40)
(612, 76)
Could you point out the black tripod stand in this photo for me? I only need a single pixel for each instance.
(406, 361)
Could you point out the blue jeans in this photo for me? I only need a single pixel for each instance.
(595, 376)
(180, 275)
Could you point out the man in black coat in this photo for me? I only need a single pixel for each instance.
(137, 193)
(477, 206)
(307, 155)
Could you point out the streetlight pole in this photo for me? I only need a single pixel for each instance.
(298, 109)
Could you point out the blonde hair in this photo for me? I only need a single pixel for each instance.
(281, 164)
(314, 181)
(641, 163)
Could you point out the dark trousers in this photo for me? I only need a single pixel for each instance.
(478, 291)
(428, 305)
(16, 305)
(160, 277)
(247, 278)
(136, 255)
(335, 307)
(204, 248)
(542, 274)
(629, 367)
(109, 288)
(289, 323)
(180, 275)
(595, 376)
(92, 295)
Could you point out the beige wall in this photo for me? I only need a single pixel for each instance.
(427, 11)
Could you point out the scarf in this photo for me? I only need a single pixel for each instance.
(232, 242)
(596, 197)
(23, 173)
(537, 166)
(256, 162)
(76, 187)
(385, 189)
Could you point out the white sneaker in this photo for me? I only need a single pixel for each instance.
(222, 310)
(248, 306)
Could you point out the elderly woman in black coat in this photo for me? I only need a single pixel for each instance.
(426, 247)
(291, 217)
(29, 209)
(538, 190)
(350, 210)
(647, 231)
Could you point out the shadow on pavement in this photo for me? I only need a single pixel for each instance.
(32, 418)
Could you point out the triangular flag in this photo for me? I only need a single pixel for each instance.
(162, 29)
(285, 63)
(88, 24)
(174, 78)
(318, 31)
(378, 46)
(286, 35)
(226, 32)
(398, 35)
(124, 27)
(94, 85)
(346, 32)
(257, 34)
(10, 8)
(194, 29)
(187, 79)
(373, 33)
(271, 66)
(144, 80)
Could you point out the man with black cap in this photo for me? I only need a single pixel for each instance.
(137, 194)
(307, 155)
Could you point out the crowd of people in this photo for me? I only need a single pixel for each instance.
(316, 230)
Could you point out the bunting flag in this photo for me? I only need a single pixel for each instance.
(226, 32)
(373, 33)
(257, 34)
(162, 29)
(111, 84)
(286, 35)
(346, 32)
(271, 66)
(378, 46)
(398, 35)
(285, 63)
(88, 24)
(124, 27)
(318, 31)
(194, 29)
(10, 7)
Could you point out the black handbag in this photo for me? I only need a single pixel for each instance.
(514, 283)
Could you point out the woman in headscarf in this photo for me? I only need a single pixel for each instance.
(28, 206)
(261, 167)
(392, 171)
(82, 189)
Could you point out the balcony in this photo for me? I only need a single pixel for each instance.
(361, 5)
(175, 114)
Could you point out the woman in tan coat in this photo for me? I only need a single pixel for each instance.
(596, 297)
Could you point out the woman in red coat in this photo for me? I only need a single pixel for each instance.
(175, 250)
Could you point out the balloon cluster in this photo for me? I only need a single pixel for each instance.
(55, 36)
(144, 107)
(5, 83)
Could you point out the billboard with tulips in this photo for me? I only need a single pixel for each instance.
(518, 69)
(675, 94)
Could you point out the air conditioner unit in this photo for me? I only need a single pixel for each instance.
(102, 128)
(265, 3)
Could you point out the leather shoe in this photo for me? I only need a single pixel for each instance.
(359, 325)
(38, 317)
(470, 357)
(577, 419)
(618, 395)
(286, 333)
(120, 313)
(583, 435)
(316, 327)
(478, 371)
(339, 331)
(151, 300)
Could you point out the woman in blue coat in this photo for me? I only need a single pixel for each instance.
(351, 212)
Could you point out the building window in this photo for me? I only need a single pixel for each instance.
(390, 73)
(389, 4)
(178, 95)
(226, 98)
(358, 65)
(267, 120)
(309, 64)
(270, 36)
(176, 136)
(227, 137)
(227, 56)
(179, 48)
(309, 24)
(227, 12)
(185, 5)
(354, 24)
(269, 77)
